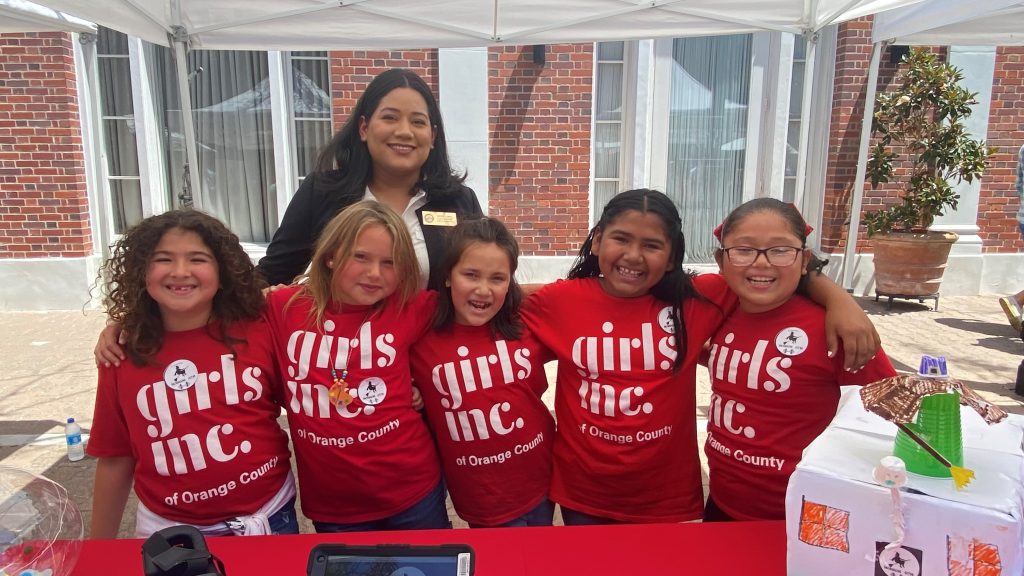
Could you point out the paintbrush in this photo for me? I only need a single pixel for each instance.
(961, 476)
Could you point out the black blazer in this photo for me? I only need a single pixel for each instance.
(317, 201)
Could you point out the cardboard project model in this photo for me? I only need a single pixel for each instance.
(841, 520)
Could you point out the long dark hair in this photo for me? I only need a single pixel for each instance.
(347, 153)
(482, 231)
(676, 285)
(130, 305)
(794, 220)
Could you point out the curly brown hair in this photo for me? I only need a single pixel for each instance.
(130, 305)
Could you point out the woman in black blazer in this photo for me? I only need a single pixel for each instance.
(391, 149)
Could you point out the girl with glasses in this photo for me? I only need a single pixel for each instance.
(774, 388)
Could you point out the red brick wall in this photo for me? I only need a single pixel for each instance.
(352, 70)
(540, 118)
(997, 207)
(44, 209)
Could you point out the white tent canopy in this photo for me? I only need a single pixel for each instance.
(396, 24)
(24, 16)
(399, 24)
(954, 22)
(930, 23)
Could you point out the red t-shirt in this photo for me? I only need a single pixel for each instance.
(482, 398)
(773, 391)
(626, 446)
(200, 423)
(374, 457)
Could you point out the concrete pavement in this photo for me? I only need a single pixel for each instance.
(47, 374)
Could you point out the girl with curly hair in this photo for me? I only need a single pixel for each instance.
(191, 420)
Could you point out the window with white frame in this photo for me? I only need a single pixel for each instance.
(707, 127)
(609, 124)
(699, 100)
(796, 94)
(234, 138)
(118, 121)
(232, 113)
(311, 108)
(697, 91)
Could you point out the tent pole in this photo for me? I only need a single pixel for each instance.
(195, 184)
(805, 120)
(862, 157)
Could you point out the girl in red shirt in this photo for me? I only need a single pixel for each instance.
(364, 456)
(481, 375)
(774, 389)
(191, 419)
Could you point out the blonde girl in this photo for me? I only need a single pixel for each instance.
(364, 456)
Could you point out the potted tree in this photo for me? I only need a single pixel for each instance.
(921, 120)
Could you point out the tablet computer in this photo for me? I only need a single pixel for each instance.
(391, 560)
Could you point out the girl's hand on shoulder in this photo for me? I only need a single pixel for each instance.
(848, 323)
(266, 291)
(109, 349)
(417, 399)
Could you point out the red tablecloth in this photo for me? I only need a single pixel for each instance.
(638, 549)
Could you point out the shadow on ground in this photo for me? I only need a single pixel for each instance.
(31, 428)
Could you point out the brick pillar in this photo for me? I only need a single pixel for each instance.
(44, 209)
(352, 70)
(540, 145)
(997, 206)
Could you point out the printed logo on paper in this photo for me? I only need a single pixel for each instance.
(181, 374)
(791, 341)
(897, 561)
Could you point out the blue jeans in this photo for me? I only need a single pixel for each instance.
(284, 521)
(541, 515)
(427, 514)
(572, 517)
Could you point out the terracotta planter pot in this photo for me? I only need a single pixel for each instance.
(911, 263)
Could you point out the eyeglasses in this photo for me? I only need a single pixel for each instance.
(776, 255)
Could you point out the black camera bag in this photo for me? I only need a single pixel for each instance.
(179, 551)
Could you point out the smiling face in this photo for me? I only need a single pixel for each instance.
(633, 253)
(479, 283)
(367, 275)
(761, 286)
(183, 277)
(399, 134)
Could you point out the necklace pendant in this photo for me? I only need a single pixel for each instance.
(339, 394)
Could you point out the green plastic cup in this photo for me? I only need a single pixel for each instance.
(938, 423)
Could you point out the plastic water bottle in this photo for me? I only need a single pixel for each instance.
(73, 435)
